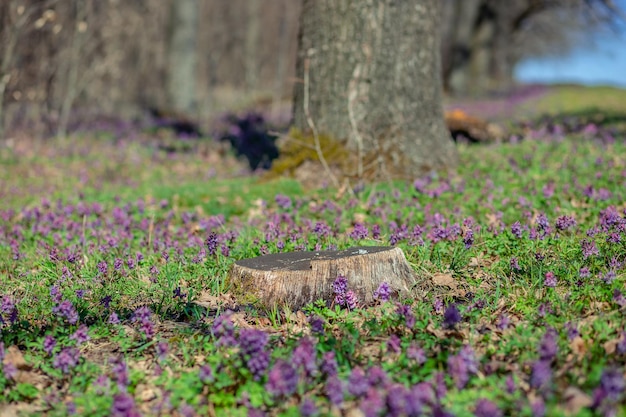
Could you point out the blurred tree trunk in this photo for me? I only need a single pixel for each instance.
(78, 12)
(252, 44)
(182, 56)
(370, 74)
(459, 44)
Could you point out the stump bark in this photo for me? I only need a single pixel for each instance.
(295, 279)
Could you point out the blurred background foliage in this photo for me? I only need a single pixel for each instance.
(68, 63)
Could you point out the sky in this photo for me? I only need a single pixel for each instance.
(601, 62)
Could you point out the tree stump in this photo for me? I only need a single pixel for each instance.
(295, 279)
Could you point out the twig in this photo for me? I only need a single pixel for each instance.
(309, 120)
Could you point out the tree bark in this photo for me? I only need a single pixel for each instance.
(182, 56)
(296, 279)
(374, 80)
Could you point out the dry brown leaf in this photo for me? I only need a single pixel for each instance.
(444, 280)
(14, 356)
(239, 319)
(145, 392)
(575, 401)
(579, 347)
(36, 379)
(610, 346)
(359, 218)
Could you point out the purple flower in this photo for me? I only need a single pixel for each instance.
(80, 335)
(317, 324)
(206, 374)
(282, 379)
(377, 377)
(283, 201)
(55, 293)
(565, 222)
(451, 317)
(572, 330)
(359, 232)
(49, 343)
(117, 264)
(351, 300)
(120, 372)
(211, 243)
(510, 384)
(124, 406)
(503, 322)
(541, 374)
(258, 363)
(544, 309)
(609, 277)
(252, 341)
(548, 347)
(334, 390)
(372, 404)
(438, 306)
(103, 267)
(340, 285)
(457, 368)
(612, 383)
(543, 225)
(9, 370)
(406, 312)
(143, 316)
(308, 408)
(619, 298)
(376, 231)
(468, 238)
(113, 318)
(383, 292)
(514, 264)
(66, 359)
(516, 230)
(416, 353)
(550, 280)
(304, 356)
(178, 293)
(589, 248)
(66, 309)
(485, 408)
(357, 382)
(393, 344)
(329, 364)
(538, 407)
(396, 399)
(584, 272)
(162, 349)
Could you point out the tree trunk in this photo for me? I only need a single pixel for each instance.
(296, 279)
(369, 74)
(252, 45)
(463, 21)
(182, 56)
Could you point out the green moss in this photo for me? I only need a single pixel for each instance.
(299, 147)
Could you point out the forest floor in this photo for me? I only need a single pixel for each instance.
(114, 300)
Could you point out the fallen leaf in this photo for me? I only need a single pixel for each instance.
(575, 400)
(359, 218)
(610, 346)
(444, 280)
(14, 356)
(579, 347)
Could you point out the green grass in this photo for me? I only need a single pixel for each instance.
(165, 207)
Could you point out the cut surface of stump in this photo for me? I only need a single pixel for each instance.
(295, 279)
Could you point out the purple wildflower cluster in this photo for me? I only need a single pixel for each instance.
(343, 296)
(143, 316)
